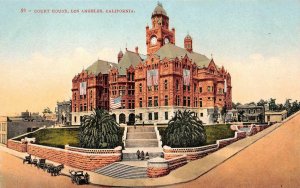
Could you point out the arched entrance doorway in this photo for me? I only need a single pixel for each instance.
(122, 118)
(131, 119)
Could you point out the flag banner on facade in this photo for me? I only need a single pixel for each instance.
(225, 85)
(83, 88)
(116, 102)
(186, 77)
(149, 78)
(155, 77)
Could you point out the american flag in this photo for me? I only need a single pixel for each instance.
(149, 77)
(115, 102)
(186, 77)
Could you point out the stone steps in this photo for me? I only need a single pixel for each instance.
(133, 143)
(117, 170)
(141, 135)
(133, 157)
(140, 129)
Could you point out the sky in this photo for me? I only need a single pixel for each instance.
(257, 41)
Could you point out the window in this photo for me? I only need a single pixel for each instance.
(195, 102)
(166, 115)
(184, 101)
(141, 116)
(201, 114)
(200, 89)
(74, 96)
(220, 99)
(91, 107)
(166, 84)
(150, 116)
(184, 87)
(75, 108)
(75, 119)
(189, 87)
(91, 94)
(141, 102)
(208, 98)
(81, 108)
(85, 107)
(155, 101)
(189, 101)
(177, 85)
(200, 102)
(149, 101)
(149, 88)
(166, 100)
(155, 115)
(195, 87)
(208, 89)
(140, 88)
(156, 88)
(177, 100)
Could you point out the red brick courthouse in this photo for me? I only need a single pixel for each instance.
(155, 85)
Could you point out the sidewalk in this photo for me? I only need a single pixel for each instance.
(186, 173)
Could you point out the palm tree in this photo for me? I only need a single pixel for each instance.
(184, 130)
(99, 130)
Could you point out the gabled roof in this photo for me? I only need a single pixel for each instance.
(100, 66)
(171, 51)
(129, 58)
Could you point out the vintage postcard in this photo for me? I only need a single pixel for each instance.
(129, 93)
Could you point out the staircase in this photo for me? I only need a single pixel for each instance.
(141, 137)
(118, 170)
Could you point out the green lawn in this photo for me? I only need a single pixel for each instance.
(56, 137)
(213, 132)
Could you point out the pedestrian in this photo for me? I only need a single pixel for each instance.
(138, 154)
(142, 155)
(143, 123)
(147, 155)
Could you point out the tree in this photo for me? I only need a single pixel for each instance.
(47, 110)
(234, 105)
(272, 104)
(224, 112)
(241, 115)
(99, 130)
(262, 102)
(185, 129)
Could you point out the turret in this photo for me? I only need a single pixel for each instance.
(188, 43)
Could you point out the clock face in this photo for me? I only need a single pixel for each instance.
(166, 40)
(153, 40)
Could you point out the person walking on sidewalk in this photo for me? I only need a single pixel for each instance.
(138, 153)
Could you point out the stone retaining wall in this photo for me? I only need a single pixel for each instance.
(17, 145)
(85, 161)
(158, 167)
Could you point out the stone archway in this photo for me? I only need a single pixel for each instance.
(131, 119)
(122, 118)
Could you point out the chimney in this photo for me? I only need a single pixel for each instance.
(136, 49)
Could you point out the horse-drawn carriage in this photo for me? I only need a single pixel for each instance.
(79, 178)
(55, 170)
(27, 159)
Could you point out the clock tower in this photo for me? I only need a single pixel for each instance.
(159, 34)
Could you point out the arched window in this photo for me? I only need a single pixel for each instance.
(166, 84)
(166, 100)
(177, 85)
(141, 88)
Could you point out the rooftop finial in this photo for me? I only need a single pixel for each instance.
(159, 3)
(211, 56)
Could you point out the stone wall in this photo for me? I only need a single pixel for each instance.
(158, 167)
(76, 159)
(17, 145)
